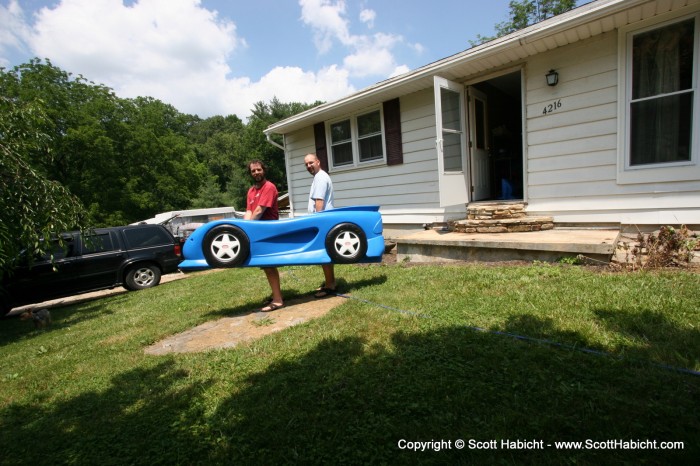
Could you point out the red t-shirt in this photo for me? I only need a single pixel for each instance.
(266, 196)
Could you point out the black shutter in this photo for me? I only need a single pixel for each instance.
(321, 153)
(392, 132)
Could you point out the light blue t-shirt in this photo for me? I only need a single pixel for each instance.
(321, 188)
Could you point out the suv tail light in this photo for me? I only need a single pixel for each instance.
(178, 250)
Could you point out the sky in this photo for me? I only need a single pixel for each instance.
(220, 57)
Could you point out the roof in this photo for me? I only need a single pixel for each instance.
(578, 24)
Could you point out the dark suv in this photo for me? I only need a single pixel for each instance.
(131, 256)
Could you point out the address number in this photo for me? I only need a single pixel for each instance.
(552, 107)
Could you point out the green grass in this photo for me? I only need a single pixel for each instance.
(418, 353)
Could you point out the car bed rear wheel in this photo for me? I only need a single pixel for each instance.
(225, 246)
(142, 276)
(346, 243)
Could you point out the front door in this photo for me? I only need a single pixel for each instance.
(450, 142)
(479, 153)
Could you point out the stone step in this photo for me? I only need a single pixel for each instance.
(503, 225)
(496, 210)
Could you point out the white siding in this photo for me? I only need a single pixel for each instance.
(407, 193)
(572, 152)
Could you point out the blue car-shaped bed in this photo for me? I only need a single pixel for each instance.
(345, 235)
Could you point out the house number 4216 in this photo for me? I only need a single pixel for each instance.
(552, 107)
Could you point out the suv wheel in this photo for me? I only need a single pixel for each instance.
(142, 276)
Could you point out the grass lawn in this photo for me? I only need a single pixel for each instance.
(418, 354)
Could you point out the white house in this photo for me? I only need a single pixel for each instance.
(615, 141)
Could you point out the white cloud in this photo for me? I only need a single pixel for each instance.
(14, 30)
(401, 69)
(327, 22)
(172, 51)
(289, 84)
(373, 56)
(149, 39)
(367, 55)
(418, 47)
(367, 17)
(181, 53)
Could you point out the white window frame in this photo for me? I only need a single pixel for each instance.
(356, 163)
(659, 172)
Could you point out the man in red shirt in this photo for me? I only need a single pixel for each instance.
(262, 205)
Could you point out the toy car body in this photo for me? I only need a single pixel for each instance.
(344, 235)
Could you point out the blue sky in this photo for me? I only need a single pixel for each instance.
(219, 57)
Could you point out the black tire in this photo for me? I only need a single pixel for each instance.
(346, 243)
(225, 246)
(142, 276)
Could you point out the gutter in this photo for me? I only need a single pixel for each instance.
(267, 137)
(286, 167)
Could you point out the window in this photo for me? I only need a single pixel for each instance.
(661, 101)
(451, 129)
(341, 143)
(357, 140)
(101, 242)
(55, 249)
(145, 237)
(662, 94)
(369, 136)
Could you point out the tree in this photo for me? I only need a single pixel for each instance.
(125, 159)
(525, 13)
(226, 145)
(31, 206)
(255, 141)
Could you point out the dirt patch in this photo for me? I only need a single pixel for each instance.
(231, 331)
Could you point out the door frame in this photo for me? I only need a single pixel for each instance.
(479, 184)
(521, 139)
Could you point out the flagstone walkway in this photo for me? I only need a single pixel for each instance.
(228, 332)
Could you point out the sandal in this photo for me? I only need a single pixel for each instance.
(272, 307)
(324, 292)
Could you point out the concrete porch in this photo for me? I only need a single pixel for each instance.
(545, 245)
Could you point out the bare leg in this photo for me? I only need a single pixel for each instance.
(328, 288)
(273, 278)
(329, 275)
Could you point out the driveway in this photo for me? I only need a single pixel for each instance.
(85, 296)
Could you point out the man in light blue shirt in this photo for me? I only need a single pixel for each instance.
(321, 194)
(320, 199)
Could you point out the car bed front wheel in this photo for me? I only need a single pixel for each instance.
(225, 246)
(142, 276)
(346, 243)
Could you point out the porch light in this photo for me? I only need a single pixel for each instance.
(552, 78)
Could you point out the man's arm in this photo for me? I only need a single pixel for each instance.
(255, 214)
(320, 204)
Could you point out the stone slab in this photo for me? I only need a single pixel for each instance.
(547, 244)
(229, 332)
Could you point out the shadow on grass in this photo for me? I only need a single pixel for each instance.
(641, 336)
(348, 400)
(293, 294)
(649, 330)
(344, 400)
(143, 412)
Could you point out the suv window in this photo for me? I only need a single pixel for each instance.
(98, 243)
(144, 237)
